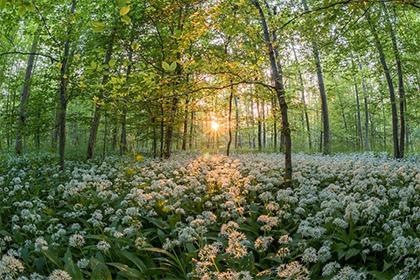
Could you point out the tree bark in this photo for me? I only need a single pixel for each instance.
(123, 138)
(366, 109)
(274, 112)
(400, 74)
(97, 114)
(230, 120)
(391, 89)
(237, 139)
(303, 99)
(277, 76)
(185, 126)
(324, 102)
(259, 126)
(191, 134)
(170, 128)
(63, 93)
(359, 117)
(21, 122)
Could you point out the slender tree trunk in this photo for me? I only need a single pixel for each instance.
(303, 99)
(123, 139)
(366, 108)
(191, 134)
(38, 133)
(391, 89)
(105, 139)
(400, 74)
(114, 135)
(21, 121)
(252, 135)
(170, 128)
(63, 93)
(343, 115)
(97, 114)
(154, 143)
(323, 94)
(230, 120)
(185, 126)
(237, 140)
(274, 112)
(162, 129)
(264, 130)
(277, 76)
(359, 117)
(259, 126)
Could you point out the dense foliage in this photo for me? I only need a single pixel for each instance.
(109, 77)
(210, 217)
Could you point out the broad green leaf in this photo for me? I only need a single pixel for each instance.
(98, 26)
(135, 46)
(112, 62)
(172, 67)
(101, 271)
(165, 66)
(70, 267)
(126, 19)
(124, 10)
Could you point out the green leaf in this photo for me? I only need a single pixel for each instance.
(134, 259)
(124, 10)
(126, 19)
(172, 67)
(127, 271)
(101, 271)
(351, 253)
(112, 62)
(70, 267)
(53, 257)
(165, 66)
(98, 26)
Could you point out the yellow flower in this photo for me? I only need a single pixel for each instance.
(139, 158)
(130, 171)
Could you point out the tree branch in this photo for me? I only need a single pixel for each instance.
(30, 53)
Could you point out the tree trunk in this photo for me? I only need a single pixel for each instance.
(162, 129)
(190, 140)
(252, 132)
(264, 132)
(21, 122)
(274, 112)
(154, 143)
(259, 126)
(277, 76)
(230, 120)
(366, 109)
(391, 89)
(359, 118)
(114, 136)
(97, 114)
(63, 94)
(324, 103)
(401, 90)
(185, 126)
(123, 139)
(237, 140)
(303, 99)
(170, 128)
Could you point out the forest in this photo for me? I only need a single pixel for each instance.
(209, 139)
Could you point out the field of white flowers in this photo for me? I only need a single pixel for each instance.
(210, 217)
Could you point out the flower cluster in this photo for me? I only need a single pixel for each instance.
(210, 217)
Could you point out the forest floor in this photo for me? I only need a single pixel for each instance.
(210, 217)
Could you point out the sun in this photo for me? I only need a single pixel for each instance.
(214, 125)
